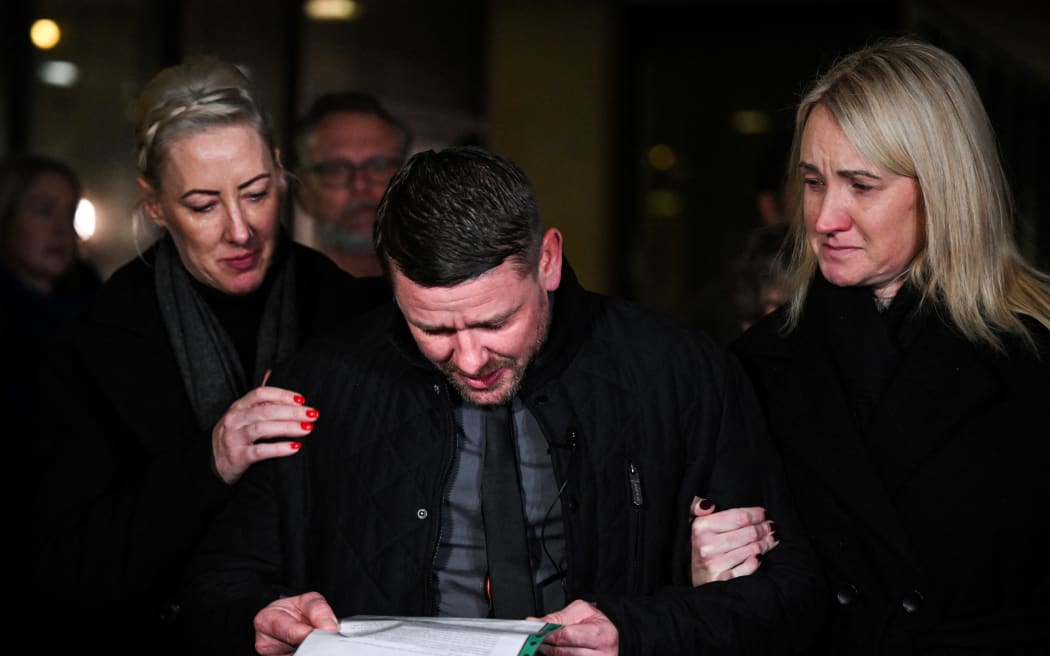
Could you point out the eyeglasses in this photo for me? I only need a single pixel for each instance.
(337, 173)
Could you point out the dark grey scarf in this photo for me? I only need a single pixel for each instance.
(208, 361)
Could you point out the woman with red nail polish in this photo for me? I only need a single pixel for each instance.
(159, 403)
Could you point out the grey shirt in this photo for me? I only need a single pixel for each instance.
(461, 562)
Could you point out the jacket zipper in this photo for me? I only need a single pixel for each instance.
(634, 479)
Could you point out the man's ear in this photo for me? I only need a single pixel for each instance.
(550, 260)
(150, 202)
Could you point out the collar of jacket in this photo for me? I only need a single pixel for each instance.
(573, 312)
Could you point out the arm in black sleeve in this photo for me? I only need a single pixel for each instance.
(239, 568)
(776, 610)
(117, 510)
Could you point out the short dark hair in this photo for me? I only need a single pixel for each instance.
(449, 216)
(350, 102)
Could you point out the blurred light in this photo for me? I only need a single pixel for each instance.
(663, 204)
(749, 121)
(332, 10)
(662, 157)
(45, 34)
(59, 73)
(84, 219)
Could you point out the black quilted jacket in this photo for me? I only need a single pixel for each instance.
(356, 515)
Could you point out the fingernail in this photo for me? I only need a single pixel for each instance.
(312, 414)
(298, 399)
(306, 426)
(772, 527)
(296, 446)
(706, 504)
(759, 557)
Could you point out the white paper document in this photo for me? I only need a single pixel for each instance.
(363, 635)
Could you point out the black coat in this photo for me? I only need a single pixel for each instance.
(357, 515)
(127, 486)
(919, 471)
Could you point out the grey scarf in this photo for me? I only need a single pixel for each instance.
(208, 361)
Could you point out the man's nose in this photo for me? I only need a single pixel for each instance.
(469, 356)
(359, 182)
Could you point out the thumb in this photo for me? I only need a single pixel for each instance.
(320, 615)
(327, 623)
(575, 612)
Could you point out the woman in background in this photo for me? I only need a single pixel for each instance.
(43, 283)
(906, 380)
(159, 404)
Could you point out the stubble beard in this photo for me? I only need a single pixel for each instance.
(516, 367)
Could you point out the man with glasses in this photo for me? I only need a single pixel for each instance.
(349, 147)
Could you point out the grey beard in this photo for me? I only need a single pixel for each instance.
(338, 238)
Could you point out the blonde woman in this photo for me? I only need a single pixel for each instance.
(160, 404)
(906, 381)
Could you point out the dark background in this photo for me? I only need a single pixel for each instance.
(576, 92)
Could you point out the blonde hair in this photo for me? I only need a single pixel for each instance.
(197, 95)
(913, 109)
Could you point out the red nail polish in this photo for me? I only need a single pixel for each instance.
(312, 414)
(307, 426)
(298, 399)
(296, 446)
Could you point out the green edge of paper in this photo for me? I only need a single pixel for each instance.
(532, 643)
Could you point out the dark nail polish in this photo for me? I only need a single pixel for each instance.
(706, 504)
(772, 527)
